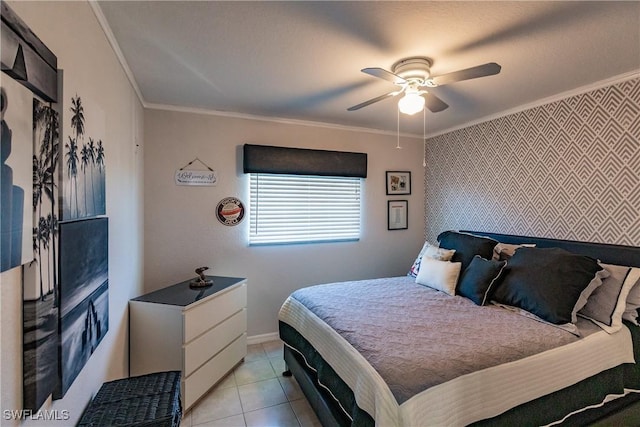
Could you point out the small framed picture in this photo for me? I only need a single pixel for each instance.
(398, 182)
(397, 215)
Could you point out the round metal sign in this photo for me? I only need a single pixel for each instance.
(230, 211)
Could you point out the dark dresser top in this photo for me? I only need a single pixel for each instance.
(182, 295)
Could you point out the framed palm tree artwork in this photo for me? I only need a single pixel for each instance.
(28, 200)
(83, 171)
(40, 286)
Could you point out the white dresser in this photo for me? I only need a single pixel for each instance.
(201, 332)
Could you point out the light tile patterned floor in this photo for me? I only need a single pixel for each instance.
(255, 394)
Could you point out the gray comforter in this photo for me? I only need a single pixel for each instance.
(416, 337)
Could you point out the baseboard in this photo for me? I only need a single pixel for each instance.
(257, 339)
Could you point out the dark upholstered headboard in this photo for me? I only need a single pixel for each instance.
(609, 254)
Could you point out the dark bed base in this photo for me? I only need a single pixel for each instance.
(620, 412)
(323, 405)
(626, 415)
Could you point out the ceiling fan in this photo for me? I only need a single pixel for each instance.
(413, 75)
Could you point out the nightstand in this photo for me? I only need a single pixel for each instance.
(199, 331)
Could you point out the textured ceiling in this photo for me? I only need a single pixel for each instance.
(302, 60)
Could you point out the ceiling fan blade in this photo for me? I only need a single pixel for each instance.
(433, 103)
(470, 73)
(373, 100)
(385, 75)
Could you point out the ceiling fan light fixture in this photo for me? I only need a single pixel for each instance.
(413, 75)
(411, 103)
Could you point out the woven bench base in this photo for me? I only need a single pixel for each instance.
(151, 400)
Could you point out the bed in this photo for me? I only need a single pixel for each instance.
(363, 356)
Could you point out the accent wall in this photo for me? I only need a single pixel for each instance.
(569, 169)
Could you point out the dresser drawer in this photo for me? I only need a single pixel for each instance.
(202, 332)
(201, 349)
(208, 314)
(213, 371)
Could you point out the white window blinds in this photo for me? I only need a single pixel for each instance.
(303, 208)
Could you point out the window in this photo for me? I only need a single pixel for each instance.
(303, 208)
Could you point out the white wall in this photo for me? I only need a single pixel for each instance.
(72, 32)
(182, 233)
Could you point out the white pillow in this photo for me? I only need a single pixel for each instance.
(439, 275)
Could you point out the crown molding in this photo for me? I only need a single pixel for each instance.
(102, 20)
(544, 101)
(557, 97)
(280, 120)
(127, 70)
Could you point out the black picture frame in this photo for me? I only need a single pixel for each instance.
(26, 58)
(397, 214)
(398, 182)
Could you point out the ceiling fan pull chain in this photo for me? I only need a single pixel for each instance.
(424, 138)
(398, 143)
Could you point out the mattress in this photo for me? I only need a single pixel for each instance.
(493, 386)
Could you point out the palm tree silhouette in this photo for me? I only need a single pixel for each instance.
(45, 225)
(53, 130)
(77, 120)
(84, 162)
(40, 233)
(92, 158)
(54, 232)
(39, 113)
(72, 170)
(46, 132)
(77, 123)
(39, 185)
(100, 163)
(100, 155)
(36, 250)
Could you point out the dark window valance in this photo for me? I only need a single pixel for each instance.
(299, 161)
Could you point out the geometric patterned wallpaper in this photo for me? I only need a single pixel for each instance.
(569, 169)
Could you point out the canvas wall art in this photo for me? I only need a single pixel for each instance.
(83, 172)
(40, 284)
(16, 219)
(25, 58)
(84, 295)
(28, 67)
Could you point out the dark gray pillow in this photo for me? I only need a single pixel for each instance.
(547, 282)
(467, 246)
(608, 302)
(480, 278)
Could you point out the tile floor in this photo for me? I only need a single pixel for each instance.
(254, 394)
